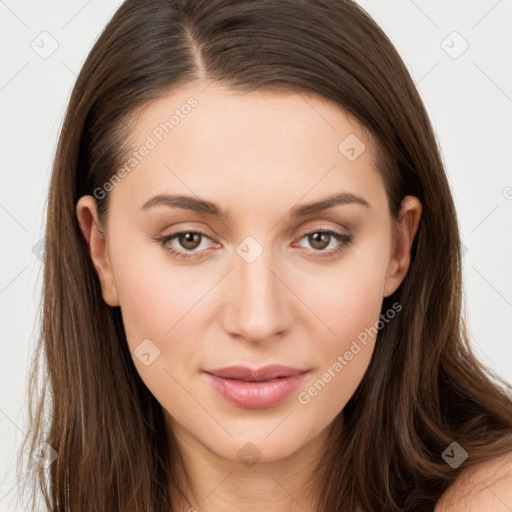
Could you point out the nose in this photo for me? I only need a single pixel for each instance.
(259, 301)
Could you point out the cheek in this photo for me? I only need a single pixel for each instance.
(349, 306)
(154, 293)
(159, 302)
(152, 304)
(347, 298)
(159, 309)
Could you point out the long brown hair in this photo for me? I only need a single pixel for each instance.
(423, 390)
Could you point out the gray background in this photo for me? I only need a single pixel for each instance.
(467, 93)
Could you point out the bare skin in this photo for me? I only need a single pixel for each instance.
(257, 155)
(486, 487)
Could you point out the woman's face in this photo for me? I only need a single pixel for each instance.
(261, 285)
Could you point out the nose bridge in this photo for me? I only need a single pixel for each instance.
(258, 306)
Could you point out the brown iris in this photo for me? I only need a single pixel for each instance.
(317, 240)
(187, 240)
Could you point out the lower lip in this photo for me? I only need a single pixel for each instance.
(256, 395)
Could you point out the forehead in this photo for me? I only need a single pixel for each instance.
(206, 114)
(205, 138)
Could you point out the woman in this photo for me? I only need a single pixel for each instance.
(252, 289)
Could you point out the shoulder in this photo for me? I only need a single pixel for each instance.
(484, 488)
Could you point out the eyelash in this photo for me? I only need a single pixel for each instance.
(344, 240)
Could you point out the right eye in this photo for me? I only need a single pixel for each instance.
(190, 238)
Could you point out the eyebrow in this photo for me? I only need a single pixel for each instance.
(215, 210)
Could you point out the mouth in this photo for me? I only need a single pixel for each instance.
(264, 373)
(255, 389)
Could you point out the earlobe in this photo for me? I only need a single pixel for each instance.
(405, 230)
(87, 213)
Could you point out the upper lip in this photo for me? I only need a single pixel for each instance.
(249, 375)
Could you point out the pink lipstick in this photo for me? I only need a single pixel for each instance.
(255, 389)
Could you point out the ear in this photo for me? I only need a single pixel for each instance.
(87, 214)
(404, 232)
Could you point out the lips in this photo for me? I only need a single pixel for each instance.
(255, 389)
(262, 374)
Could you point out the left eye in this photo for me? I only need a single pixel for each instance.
(318, 238)
(190, 240)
